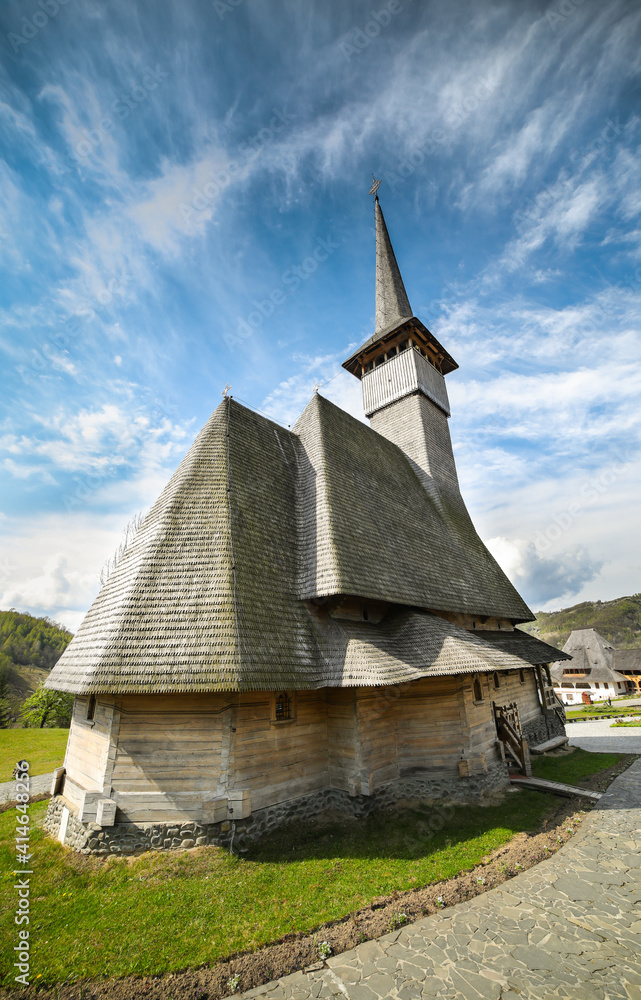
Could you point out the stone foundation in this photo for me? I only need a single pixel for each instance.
(77, 833)
(544, 728)
(131, 838)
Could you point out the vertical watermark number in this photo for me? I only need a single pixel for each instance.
(23, 872)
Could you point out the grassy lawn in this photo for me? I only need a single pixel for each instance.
(596, 711)
(574, 767)
(624, 725)
(190, 908)
(44, 749)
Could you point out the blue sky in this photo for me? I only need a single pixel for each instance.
(183, 204)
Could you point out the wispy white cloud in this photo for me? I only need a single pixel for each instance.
(115, 455)
(288, 400)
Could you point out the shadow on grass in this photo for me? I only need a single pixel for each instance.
(403, 834)
(574, 767)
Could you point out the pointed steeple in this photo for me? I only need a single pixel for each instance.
(392, 303)
(397, 329)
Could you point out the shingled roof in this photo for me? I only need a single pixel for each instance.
(524, 645)
(215, 591)
(590, 652)
(627, 659)
(377, 532)
(392, 303)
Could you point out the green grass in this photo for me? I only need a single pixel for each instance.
(625, 725)
(44, 749)
(596, 711)
(574, 767)
(165, 912)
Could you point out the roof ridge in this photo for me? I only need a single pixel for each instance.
(230, 516)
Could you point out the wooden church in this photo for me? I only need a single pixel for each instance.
(307, 619)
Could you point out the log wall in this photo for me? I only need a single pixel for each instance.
(88, 743)
(207, 757)
(278, 761)
(410, 729)
(482, 736)
(342, 740)
(167, 755)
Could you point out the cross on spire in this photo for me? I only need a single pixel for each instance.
(375, 186)
(226, 390)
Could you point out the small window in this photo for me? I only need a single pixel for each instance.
(402, 346)
(478, 693)
(597, 685)
(522, 676)
(379, 360)
(283, 707)
(497, 683)
(91, 708)
(365, 615)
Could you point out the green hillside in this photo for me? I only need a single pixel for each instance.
(29, 647)
(618, 621)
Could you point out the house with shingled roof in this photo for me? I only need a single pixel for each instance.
(307, 618)
(593, 670)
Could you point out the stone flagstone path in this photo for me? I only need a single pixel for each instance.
(601, 737)
(570, 927)
(39, 784)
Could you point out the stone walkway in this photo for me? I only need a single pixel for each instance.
(570, 927)
(39, 784)
(599, 737)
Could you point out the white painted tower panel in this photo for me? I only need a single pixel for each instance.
(400, 376)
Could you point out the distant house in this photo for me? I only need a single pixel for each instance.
(628, 663)
(306, 619)
(592, 669)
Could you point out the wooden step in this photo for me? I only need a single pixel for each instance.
(555, 787)
(553, 744)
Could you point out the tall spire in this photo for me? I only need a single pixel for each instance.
(392, 303)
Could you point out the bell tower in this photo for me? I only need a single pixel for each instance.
(402, 368)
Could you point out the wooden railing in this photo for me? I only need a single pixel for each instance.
(550, 701)
(559, 707)
(508, 728)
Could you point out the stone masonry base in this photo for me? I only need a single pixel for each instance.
(544, 728)
(132, 838)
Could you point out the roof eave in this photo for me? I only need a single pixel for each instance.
(353, 363)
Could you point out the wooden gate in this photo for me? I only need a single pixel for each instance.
(512, 743)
